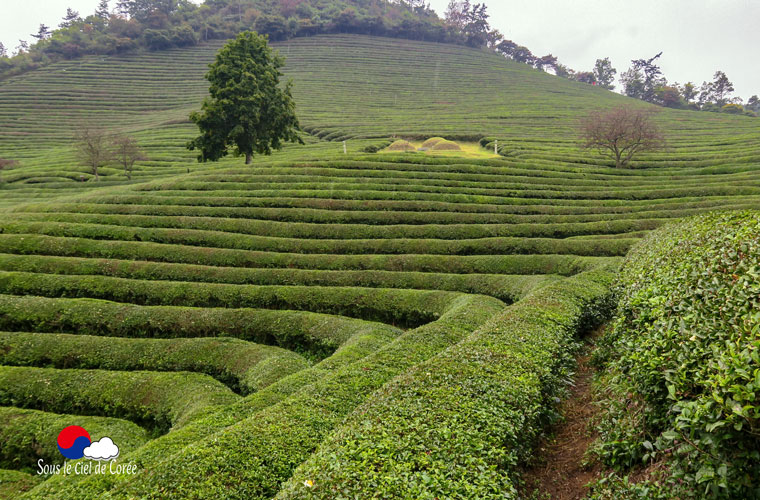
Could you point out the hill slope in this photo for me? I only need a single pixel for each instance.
(346, 86)
(400, 320)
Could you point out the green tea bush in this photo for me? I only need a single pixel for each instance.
(374, 216)
(253, 456)
(214, 239)
(505, 287)
(30, 435)
(159, 400)
(364, 341)
(317, 335)
(333, 231)
(404, 307)
(684, 358)
(14, 482)
(244, 366)
(458, 425)
(158, 252)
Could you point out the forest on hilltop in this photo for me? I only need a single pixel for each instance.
(163, 24)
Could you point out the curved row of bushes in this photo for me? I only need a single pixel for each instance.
(161, 252)
(458, 425)
(345, 231)
(417, 187)
(227, 203)
(387, 305)
(313, 334)
(30, 435)
(244, 366)
(539, 165)
(506, 288)
(452, 170)
(363, 342)
(536, 169)
(504, 186)
(503, 196)
(157, 400)
(684, 351)
(378, 217)
(214, 239)
(251, 457)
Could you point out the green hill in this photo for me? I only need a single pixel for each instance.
(417, 312)
(346, 87)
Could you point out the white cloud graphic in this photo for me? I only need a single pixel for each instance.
(102, 450)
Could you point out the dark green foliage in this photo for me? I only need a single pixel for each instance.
(213, 239)
(684, 353)
(315, 334)
(403, 307)
(153, 399)
(162, 24)
(244, 366)
(505, 287)
(475, 264)
(14, 483)
(247, 110)
(365, 340)
(457, 425)
(252, 457)
(371, 235)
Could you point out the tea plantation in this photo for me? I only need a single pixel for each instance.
(320, 324)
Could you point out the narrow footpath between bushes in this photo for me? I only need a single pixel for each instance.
(561, 470)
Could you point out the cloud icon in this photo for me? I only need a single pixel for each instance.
(102, 450)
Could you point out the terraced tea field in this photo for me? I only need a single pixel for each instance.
(319, 325)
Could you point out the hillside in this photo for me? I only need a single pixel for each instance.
(320, 322)
(346, 87)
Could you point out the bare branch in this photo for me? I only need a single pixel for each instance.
(621, 133)
(92, 148)
(126, 152)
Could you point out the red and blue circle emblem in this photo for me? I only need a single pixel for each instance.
(72, 441)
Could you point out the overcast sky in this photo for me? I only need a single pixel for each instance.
(697, 37)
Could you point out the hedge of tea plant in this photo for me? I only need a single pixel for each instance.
(243, 366)
(684, 358)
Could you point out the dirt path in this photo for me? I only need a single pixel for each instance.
(559, 472)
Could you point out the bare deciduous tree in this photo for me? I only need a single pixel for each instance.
(126, 152)
(93, 148)
(621, 133)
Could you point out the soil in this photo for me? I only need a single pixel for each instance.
(560, 470)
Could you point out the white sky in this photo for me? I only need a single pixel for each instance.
(697, 37)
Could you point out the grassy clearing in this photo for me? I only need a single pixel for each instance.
(435, 148)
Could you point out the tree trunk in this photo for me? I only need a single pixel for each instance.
(248, 158)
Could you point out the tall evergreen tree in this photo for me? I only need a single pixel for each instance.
(70, 18)
(43, 33)
(247, 110)
(643, 78)
(102, 11)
